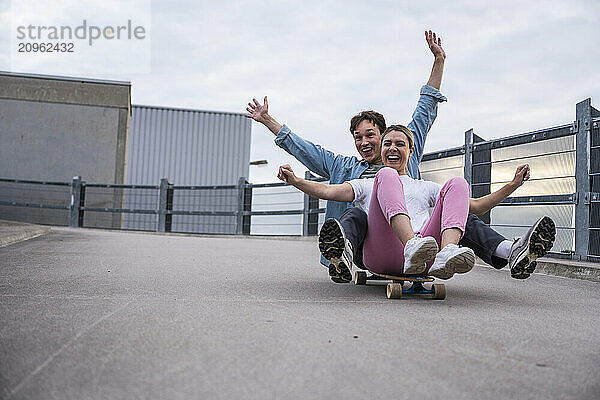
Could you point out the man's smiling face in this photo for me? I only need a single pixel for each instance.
(367, 139)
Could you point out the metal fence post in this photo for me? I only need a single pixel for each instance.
(306, 208)
(240, 208)
(594, 239)
(481, 172)
(310, 220)
(468, 167)
(582, 177)
(247, 223)
(165, 204)
(77, 202)
(168, 215)
(478, 168)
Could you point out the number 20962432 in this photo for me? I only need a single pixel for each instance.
(46, 47)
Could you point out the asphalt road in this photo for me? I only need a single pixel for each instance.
(90, 314)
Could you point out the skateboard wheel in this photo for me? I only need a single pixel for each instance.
(394, 291)
(439, 291)
(360, 278)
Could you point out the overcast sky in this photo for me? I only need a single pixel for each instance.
(511, 67)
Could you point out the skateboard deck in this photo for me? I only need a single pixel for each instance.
(396, 289)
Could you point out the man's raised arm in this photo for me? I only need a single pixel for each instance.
(426, 110)
(435, 45)
(317, 159)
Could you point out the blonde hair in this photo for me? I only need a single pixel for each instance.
(403, 129)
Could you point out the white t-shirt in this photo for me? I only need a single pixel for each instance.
(419, 195)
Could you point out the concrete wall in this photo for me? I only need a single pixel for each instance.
(53, 128)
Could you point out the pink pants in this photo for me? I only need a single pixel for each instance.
(383, 252)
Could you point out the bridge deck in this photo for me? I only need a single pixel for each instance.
(98, 314)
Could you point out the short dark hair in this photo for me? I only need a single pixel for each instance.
(372, 116)
(403, 129)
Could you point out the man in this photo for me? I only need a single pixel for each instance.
(341, 242)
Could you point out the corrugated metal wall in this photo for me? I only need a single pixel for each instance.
(189, 147)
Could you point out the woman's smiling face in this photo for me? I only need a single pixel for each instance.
(395, 151)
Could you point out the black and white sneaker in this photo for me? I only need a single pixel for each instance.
(337, 250)
(535, 243)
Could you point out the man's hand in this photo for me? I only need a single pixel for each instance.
(439, 58)
(435, 44)
(287, 175)
(521, 175)
(258, 112)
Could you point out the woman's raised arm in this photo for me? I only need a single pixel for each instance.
(343, 192)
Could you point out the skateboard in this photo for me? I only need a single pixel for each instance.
(395, 289)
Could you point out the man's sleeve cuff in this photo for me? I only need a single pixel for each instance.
(282, 134)
(433, 92)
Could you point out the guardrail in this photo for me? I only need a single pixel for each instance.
(571, 193)
(161, 202)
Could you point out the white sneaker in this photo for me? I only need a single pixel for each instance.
(452, 259)
(417, 252)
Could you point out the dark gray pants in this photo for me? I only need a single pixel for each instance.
(478, 236)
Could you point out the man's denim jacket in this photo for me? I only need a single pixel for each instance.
(339, 169)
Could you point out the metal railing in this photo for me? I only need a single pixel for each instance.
(228, 209)
(156, 209)
(577, 201)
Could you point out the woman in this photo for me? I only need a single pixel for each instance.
(402, 236)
